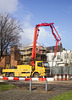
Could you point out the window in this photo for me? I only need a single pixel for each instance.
(37, 49)
(46, 64)
(52, 57)
(21, 56)
(71, 55)
(66, 56)
(58, 57)
(39, 64)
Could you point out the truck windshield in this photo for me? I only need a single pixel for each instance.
(45, 64)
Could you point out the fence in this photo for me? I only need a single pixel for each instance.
(61, 70)
(46, 85)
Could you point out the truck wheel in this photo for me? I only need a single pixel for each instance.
(6, 74)
(36, 75)
(11, 75)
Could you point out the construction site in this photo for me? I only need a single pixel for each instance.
(35, 50)
(26, 53)
(36, 68)
(33, 61)
(29, 58)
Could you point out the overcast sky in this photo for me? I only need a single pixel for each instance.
(32, 12)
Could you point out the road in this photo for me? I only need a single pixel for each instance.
(38, 90)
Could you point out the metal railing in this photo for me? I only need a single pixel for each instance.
(61, 70)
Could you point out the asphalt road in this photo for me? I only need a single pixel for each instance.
(38, 90)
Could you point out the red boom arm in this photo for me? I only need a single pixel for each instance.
(33, 57)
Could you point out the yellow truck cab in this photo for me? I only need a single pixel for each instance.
(40, 69)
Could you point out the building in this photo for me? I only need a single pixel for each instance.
(4, 61)
(26, 53)
(15, 56)
(63, 58)
(52, 48)
(11, 59)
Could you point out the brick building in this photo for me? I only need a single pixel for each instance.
(12, 59)
(15, 56)
(5, 60)
(26, 53)
(51, 49)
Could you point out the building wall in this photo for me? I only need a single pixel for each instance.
(27, 52)
(51, 49)
(12, 60)
(4, 61)
(12, 56)
(15, 56)
(62, 58)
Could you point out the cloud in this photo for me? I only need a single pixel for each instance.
(45, 35)
(28, 35)
(9, 6)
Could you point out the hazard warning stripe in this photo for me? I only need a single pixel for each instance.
(23, 79)
(5, 78)
(42, 79)
(26, 79)
(10, 78)
(35, 79)
(16, 78)
(1, 77)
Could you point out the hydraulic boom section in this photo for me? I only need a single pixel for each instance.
(56, 36)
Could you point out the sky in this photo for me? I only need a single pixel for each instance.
(32, 12)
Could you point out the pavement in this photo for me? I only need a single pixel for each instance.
(38, 90)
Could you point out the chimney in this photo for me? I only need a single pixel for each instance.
(12, 55)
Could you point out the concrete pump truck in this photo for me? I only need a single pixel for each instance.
(37, 68)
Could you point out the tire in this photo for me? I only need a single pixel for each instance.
(36, 75)
(6, 74)
(11, 74)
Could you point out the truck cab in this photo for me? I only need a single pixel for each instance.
(41, 69)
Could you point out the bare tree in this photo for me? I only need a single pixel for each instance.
(9, 32)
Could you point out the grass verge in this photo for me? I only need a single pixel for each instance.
(65, 96)
(5, 86)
